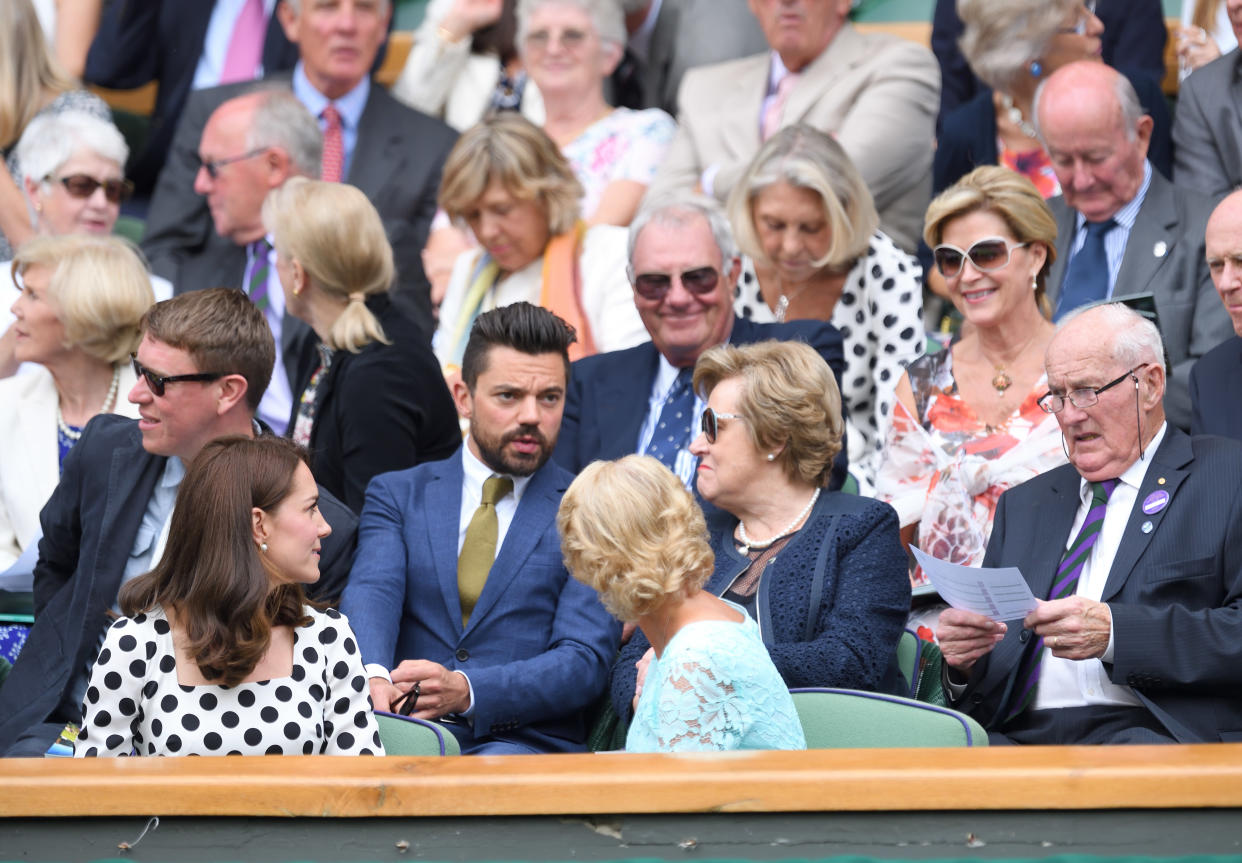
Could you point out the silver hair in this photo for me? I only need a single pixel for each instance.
(1000, 38)
(297, 5)
(53, 139)
(677, 209)
(1132, 109)
(1135, 339)
(280, 120)
(606, 17)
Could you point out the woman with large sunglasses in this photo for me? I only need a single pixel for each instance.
(75, 322)
(968, 425)
(822, 573)
(807, 225)
(73, 181)
(506, 180)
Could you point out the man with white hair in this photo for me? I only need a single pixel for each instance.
(1121, 227)
(1216, 379)
(1134, 551)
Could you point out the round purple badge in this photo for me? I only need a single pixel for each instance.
(1155, 502)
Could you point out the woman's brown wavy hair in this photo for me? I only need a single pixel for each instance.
(226, 596)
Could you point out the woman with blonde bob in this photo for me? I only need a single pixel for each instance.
(808, 228)
(76, 320)
(968, 425)
(219, 652)
(632, 532)
(372, 398)
(822, 573)
(507, 182)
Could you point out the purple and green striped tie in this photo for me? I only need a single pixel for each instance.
(1065, 583)
(257, 273)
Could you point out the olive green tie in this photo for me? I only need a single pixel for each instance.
(478, 550)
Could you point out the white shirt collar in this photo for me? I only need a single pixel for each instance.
(477, 473)
(1134, 475)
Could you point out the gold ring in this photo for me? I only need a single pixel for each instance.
(1052, 642)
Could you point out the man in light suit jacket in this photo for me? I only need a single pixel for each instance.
(875, 93)
(616, 398)
(1137, 639)
(1096, 133)
(107, 521)
(490, 636)
(1216, 379)
(391, 152)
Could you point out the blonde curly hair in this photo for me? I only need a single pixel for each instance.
(631, 531)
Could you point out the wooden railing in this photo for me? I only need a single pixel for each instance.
(1002, 778)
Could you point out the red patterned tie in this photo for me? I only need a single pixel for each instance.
(333, 146)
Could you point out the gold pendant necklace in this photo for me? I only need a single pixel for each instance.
(1001, 382)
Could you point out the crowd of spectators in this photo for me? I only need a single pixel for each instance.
(584, 382)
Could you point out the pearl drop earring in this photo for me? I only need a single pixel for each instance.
(771, 456)
(263, 547)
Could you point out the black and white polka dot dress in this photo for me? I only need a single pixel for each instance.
(134, 704)
(880, 316)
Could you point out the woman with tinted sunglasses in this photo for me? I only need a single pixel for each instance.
(806, 222)
(822, 573)
(73, 183)
(967, 424)
(76, 315)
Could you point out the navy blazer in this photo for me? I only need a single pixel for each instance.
(831, 605)
(89, 526)
(1175, 592)
(538, 644)
(1216, 391)
(609, 393)
(139, 41)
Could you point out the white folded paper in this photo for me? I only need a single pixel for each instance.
(1000, 593)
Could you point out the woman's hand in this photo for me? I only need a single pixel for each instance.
(642, 665)
(467, 16)
(1195, 48)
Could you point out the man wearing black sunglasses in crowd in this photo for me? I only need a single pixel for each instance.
(1134, 550)
(683, 268)
(203, 363)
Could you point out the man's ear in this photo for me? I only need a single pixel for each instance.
(462, 398)
(289, 20)
(610, 56)
(232, 389)
(1154, 377)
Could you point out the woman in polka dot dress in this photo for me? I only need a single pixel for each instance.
(219, 654)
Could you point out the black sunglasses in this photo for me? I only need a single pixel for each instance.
(654, 286)
(84, 185)
(407, 703)
(988, 255)
(156, 383)
(213, 166)
(709, 423)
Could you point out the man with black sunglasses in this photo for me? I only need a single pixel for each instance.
(1134, 550)
(683, 269)
(202, 365)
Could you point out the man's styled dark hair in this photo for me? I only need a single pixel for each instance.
(525, 328)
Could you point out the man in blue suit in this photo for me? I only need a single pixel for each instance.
(1216, 379)
(1134, 549)
(683, 269)
(462, 605)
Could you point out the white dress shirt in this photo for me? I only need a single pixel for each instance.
(1078, 683)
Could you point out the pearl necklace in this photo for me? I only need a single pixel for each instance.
(1015, 116)
(748, 543)
(69, 431)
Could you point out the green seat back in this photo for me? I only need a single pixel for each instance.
(849, 719)
(405, 735)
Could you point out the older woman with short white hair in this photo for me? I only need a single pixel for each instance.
(77, 320)
(569, 48)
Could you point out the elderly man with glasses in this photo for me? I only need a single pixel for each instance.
(683, 267)
(1134, 551)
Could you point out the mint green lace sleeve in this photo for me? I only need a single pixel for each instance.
(715, 688)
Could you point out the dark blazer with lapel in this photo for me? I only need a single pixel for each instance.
(538, 645)
(89, 526)
(1175, 593)
(608, 393)
(1170, 221)
(1207, 130)
(1216, 391)
(396, 162)
(140, 41)
(384, 408)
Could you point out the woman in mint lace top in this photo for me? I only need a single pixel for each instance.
(631, 531)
